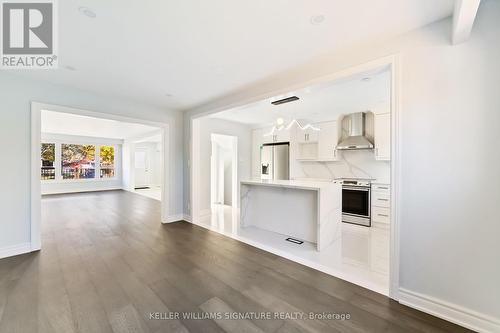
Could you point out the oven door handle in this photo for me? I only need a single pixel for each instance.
(356, 189)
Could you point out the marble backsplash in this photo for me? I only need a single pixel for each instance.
(352, 164)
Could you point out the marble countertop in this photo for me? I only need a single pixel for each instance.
(299, 184)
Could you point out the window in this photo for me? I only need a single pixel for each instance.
(48, 157)
(107, 161)
(77, 161)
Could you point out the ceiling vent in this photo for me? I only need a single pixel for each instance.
(285, 100)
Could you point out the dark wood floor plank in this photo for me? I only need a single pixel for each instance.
(20, 313)
(178, 302)
(108, 262)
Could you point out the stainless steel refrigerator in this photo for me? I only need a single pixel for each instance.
(275, 161)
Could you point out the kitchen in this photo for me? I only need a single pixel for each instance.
(313, 180)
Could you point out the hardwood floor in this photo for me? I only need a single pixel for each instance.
(107, 265)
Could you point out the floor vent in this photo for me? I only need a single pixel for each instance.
(293, 240)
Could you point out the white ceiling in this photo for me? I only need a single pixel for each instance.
(196, 51)
(319, 103)
(71, 124)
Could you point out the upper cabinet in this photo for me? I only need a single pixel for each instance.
(314, 145)
(382, 136)
(265, 135)
(282, 136)
(327, 141)
(306, 136)
(278, 136)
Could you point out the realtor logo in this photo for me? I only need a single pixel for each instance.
(28, 34)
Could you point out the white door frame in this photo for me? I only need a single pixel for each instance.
(393, 63)
(36, 109)
(234, 168)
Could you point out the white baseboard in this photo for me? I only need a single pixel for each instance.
(451, 312)
(174, 218)
(177, 218)
(83, 190)
(14, 250)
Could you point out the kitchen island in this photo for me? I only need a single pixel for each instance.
(308, 211)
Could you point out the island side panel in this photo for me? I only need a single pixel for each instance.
(330, 215)
(288, 211)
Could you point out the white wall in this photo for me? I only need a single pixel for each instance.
(217, 126)
(83, 185)
(16, 94)
(450, 133)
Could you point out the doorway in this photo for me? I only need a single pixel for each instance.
(224, 171)
(385, 119)
(87, 163)
(141, 162)
(147, 165)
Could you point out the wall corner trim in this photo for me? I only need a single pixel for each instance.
(448, 311)
(15, 250)
(173, 218)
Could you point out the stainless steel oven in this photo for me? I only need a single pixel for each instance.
(356, 198)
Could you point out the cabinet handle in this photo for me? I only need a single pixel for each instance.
(383, 187)
(384, 215)
(383, 199)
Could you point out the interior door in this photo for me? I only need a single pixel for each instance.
(142, 170)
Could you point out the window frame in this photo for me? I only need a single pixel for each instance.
(49, 142)
(97, 161)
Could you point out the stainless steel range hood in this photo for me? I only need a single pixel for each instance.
(356, 138)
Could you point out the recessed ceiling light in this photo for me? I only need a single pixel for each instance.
(317, 19)
(366, 79)
(87, 12)
(280, 121)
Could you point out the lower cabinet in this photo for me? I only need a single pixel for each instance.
(381, 203)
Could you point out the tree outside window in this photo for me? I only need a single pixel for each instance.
(78, 161)
(48, 157)
(107, 161)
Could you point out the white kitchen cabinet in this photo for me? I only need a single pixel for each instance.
(381, 203)
(276, 136)
(380, 199)
(327, 141)
(282, 136)
(306, 136)
(266, 135)
(382, 136)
